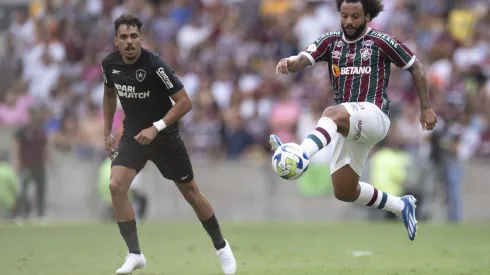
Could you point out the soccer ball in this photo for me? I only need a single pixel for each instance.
(290, 161)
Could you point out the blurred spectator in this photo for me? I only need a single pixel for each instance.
(67, 137)
(23, 31)
(238, 140)
(15, 109)
(30, 156)
(284, 117)
(10, 67)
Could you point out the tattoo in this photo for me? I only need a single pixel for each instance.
(419, 79)
(300, 62)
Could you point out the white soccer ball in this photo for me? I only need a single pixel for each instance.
(290, 161)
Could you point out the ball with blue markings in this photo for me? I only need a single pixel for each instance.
(290, 161)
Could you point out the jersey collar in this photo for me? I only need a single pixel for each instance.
(354, 41)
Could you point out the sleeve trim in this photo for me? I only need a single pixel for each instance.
(312, 60)
(410, 63)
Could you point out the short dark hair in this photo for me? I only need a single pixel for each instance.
(129, 20)
(371, 7)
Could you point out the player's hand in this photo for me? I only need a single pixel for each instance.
(110, 145)
(283, 66)
(428, 119)
(147, 135)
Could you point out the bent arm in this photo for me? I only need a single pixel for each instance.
(181, 107)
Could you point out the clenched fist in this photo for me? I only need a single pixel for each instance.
(428, 119)
(147, 135)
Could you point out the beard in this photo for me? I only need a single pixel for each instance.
(133, 55)
(128, 57)
(357, 33)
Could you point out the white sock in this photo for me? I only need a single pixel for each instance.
(320, 137)
(374, 198)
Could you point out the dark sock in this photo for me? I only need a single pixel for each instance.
(212, 227)
(130, 235)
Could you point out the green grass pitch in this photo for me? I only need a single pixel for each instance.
(280, 248)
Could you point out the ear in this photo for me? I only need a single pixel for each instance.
(115, 41)
(368, 17)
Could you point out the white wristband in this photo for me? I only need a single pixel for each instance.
(160, 125)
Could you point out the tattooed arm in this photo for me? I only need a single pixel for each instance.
(419, 79)
(428, 118)
(292, 64)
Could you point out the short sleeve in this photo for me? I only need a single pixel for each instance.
(320, 48)
(107, 80)
(165, 76)
(397, 52)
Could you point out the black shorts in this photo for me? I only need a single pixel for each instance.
(169, 156)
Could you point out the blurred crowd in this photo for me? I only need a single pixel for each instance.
(225, 53)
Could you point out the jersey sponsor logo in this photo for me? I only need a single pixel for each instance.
(351, 55)
(340, 44)
(338, 71)
(164, 77)
(115, 71)
(325, 35)
(366, 53)
(368, 43)
(335, 70)
(140, 75)
(126, 91)
(388, 39)
(312, 48)
(336, 54)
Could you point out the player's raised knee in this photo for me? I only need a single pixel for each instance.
(338, 114)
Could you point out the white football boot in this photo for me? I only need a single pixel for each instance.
(226, 259)
(132, 262)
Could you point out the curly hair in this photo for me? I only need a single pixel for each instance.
(371, 7)
(129, 20)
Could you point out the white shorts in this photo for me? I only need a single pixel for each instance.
(368, 126)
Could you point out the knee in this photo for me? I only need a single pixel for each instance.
(338, 114)
(118, 188)
(190, 192)
(346, 192)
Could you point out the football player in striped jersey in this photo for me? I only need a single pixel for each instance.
(359, 60)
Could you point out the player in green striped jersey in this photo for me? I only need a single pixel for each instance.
(359, 60)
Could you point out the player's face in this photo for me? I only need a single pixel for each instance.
(128, 40)
(353, 19)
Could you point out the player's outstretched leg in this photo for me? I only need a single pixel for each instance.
(121, 178)
(346, 183)
(205, 213)
(348, 188)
